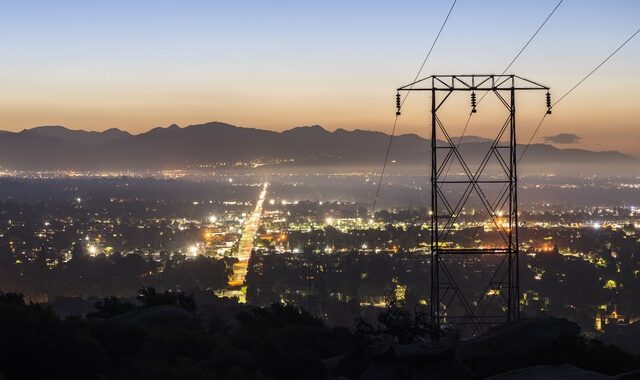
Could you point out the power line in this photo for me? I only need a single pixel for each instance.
(532, 136)
(513, 61)
(596, 68)
(532, 37)
(384, 165)
(573, 88)
(466, 125)
(432, 46)
(395, 123)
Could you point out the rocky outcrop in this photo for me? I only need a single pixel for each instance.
(518, 344)
(550, 372)
(545, 348)
(386, 359)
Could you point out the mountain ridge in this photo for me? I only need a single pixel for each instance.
(58, 147)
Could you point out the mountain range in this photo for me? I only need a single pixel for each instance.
(173, 147)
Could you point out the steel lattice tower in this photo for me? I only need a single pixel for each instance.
(499, 301)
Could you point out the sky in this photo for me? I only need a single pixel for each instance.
(136, 65)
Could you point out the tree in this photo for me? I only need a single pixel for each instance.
(78, 252)
(111, 306)
(149, 297)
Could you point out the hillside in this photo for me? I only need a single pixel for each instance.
(55, 147)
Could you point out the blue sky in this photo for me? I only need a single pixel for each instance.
(136, 65)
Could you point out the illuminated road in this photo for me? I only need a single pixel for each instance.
(245, 246)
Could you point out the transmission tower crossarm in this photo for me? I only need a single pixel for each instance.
(473, 82)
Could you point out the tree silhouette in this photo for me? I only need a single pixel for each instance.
(149, 297)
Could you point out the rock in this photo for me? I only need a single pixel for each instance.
(389, 360)
(518, 344)
(353, 365)
(333, 364)
(421, 352)
(381, 348)
(451, 368)
(550, 372)
(380, 371)
(446, 369)
(430, 361)
(633, 375)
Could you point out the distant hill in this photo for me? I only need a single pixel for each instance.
(57, 147)
(79, 136)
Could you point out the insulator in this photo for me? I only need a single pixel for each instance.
(398, 104)
(548, 103)
(473, 102)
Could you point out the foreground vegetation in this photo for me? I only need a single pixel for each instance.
(164, 335)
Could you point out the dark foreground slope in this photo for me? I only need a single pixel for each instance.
(165, 336)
